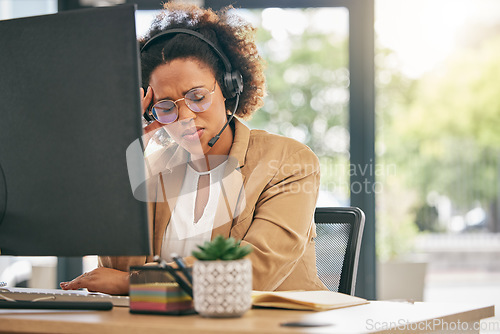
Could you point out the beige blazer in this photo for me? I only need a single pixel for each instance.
(270, 190)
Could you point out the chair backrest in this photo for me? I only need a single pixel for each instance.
(339, 231)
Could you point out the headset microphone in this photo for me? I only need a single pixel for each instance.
(212, 141)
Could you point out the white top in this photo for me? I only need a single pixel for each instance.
(183, 234)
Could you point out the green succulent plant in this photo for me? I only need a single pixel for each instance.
(223, 249)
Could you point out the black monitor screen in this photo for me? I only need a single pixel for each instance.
(69, 108)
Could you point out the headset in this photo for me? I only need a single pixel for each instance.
(233, 81)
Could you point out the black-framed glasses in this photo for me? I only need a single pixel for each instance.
(197, 100)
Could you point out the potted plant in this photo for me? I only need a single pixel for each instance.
(222, 278)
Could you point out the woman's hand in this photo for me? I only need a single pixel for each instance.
(105, 280)
(151, 128)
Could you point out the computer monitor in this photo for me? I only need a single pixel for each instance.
(69, 108)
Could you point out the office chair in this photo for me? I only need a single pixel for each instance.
(339, 231)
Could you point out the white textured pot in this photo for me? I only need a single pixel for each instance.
(222, 288)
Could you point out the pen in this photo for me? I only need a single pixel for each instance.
(184, 286)
(182, 266)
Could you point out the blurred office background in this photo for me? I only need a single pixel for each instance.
(436, 140)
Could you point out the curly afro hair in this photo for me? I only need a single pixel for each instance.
(231, 34)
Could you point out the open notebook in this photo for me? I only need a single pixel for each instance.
(305, 300)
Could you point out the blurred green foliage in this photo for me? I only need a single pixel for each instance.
(308, 96)
(439, 132)
(449, 138)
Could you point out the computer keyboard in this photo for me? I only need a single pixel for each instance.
(29, 294)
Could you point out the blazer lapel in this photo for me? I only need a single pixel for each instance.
(231, 199)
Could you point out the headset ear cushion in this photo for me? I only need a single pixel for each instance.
(233, 84)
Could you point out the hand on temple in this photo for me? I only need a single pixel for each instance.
(150, 129)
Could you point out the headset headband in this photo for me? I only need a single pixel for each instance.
(233, 81)
(223, 57)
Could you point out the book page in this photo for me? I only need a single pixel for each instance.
(305, 300)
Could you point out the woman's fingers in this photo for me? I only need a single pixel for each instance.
(146, 100)
(141, 92)
(75, 284)
(152, 127)
(101, 279)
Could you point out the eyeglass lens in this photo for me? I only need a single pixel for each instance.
(198, 100)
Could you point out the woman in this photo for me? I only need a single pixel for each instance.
(200, 68)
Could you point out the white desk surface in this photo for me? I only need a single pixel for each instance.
(376, 317)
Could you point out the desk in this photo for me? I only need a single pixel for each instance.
(375, 317)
